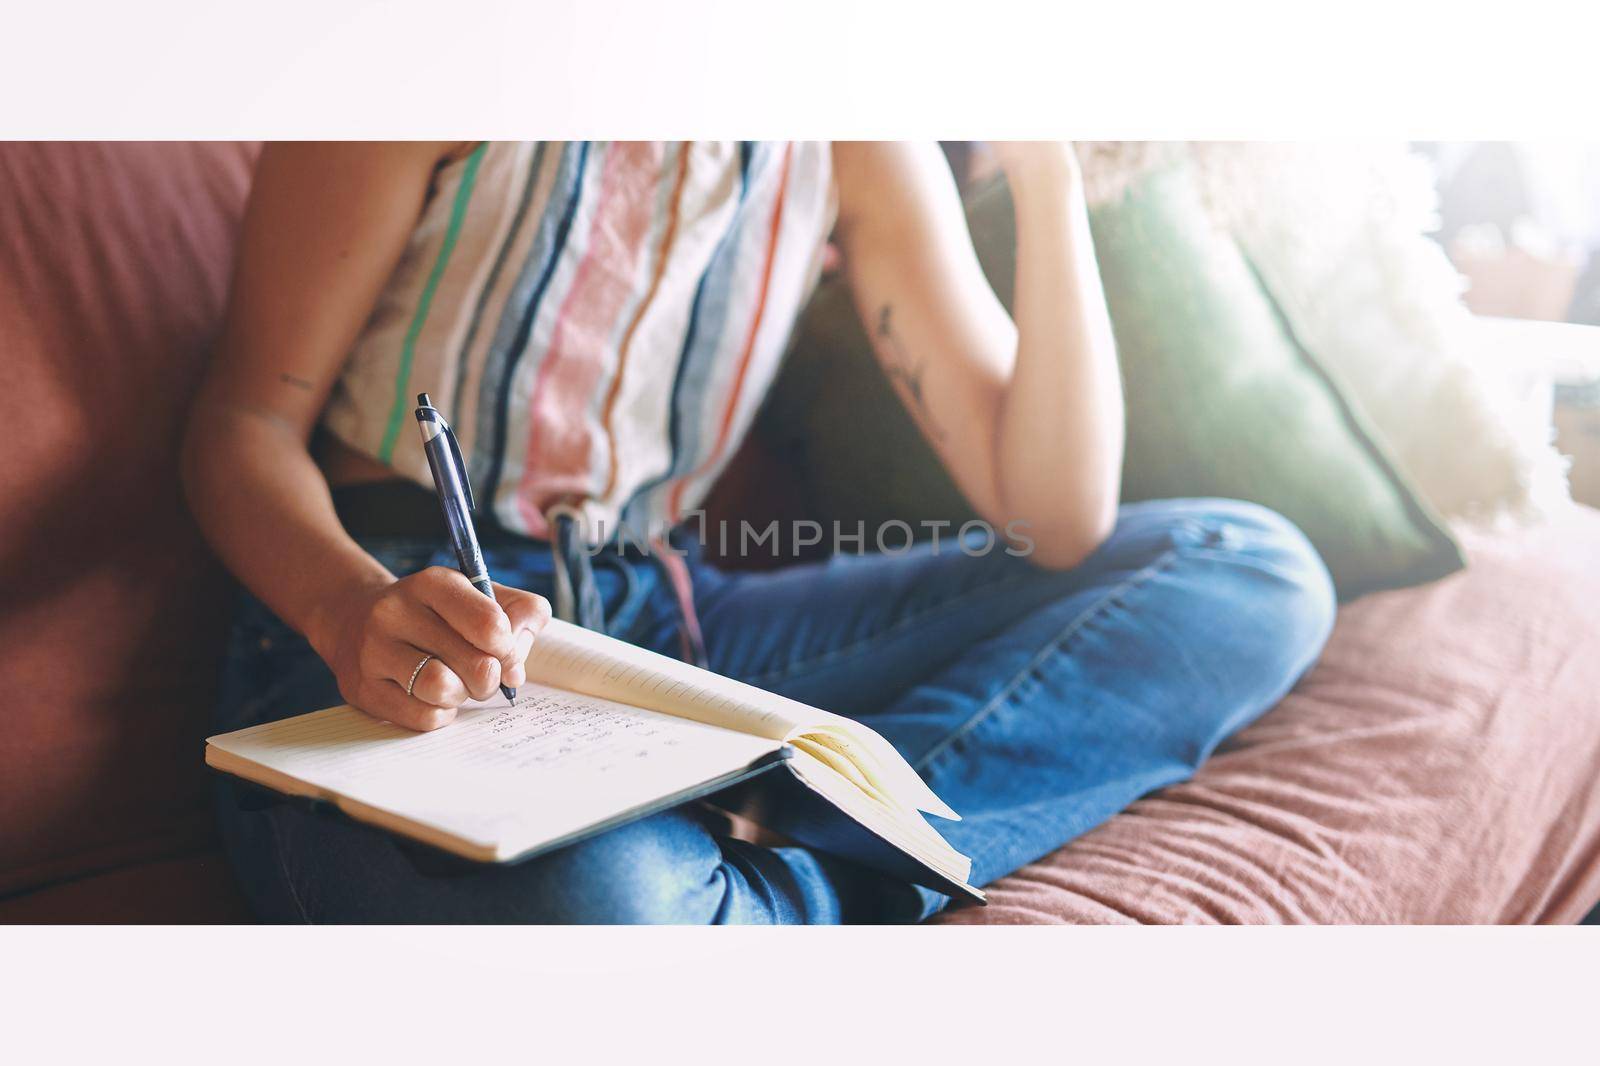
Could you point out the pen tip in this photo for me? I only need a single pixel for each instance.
(423, 401)
(509, 693)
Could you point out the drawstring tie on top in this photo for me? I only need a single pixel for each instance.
(577, 598)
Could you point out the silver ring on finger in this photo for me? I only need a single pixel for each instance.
(416, 674)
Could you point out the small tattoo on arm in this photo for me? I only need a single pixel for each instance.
(299, 383)
(897, 362)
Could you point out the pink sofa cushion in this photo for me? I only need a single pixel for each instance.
(1441, 764)
(114, 264)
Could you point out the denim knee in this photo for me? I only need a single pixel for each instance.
(658, 871)
(1281, 579)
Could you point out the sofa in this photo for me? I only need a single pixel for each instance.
(1440, 764)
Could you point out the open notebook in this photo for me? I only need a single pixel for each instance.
(603, 733)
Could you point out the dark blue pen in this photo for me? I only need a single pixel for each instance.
(455, 499)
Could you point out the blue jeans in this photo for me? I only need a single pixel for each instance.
(1036, 703)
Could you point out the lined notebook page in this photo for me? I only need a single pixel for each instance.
(571, 657)
(503, 776)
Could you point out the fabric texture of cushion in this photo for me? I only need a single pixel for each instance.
(1221, 398)
(195, 889)
(114, 264)
(1438, 765)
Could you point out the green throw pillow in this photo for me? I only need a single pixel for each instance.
(1221, 398)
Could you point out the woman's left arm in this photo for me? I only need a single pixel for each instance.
(1027, 414)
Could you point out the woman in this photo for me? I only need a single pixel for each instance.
(599, 322)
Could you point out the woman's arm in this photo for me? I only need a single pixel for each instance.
(324, 228)
(1026, 415)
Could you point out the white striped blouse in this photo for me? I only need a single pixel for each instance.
(598, 321)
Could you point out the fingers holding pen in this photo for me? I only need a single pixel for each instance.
(436, 634)
(503, 628)
(528, 614)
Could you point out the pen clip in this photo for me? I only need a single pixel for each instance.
(427, 413)
(461, 465)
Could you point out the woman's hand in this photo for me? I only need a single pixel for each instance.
(373, 640)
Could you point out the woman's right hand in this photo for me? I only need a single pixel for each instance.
(374, 638)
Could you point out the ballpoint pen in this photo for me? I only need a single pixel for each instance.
(455, 499)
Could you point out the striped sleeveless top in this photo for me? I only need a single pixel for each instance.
(598, 321)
